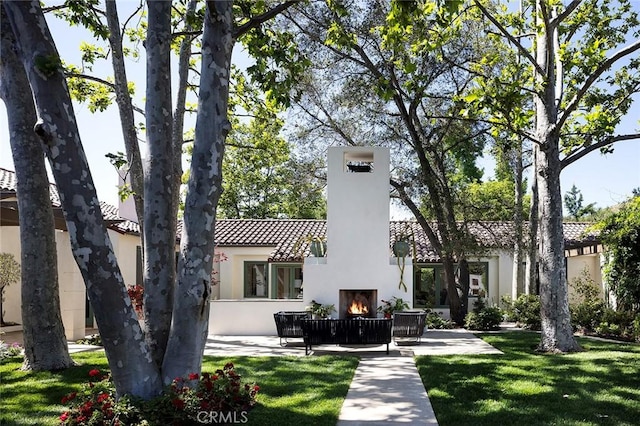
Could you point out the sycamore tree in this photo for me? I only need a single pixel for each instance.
(44, 341)
(384, 73)
(579, 63)
(144, 358)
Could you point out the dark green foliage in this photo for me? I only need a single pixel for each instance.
(586, 316)
(435, 321)
(483, 317)
(618, 324)
(620, 233)
(525, 311)
(573, 202)
(48, 65)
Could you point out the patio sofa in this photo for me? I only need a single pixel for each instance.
(408, 325)
(356, 331)
(288, 324)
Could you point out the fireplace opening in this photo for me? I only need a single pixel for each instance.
(358, 303)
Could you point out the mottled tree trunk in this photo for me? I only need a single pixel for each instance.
(557, 333)
(518, 223)
(531, 279)
(45, 345)
(184, 58)
(132, 368)
(159, 194)
(125, 108)
(189, 329)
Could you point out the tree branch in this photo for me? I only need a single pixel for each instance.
(110, 85)
(587, 149)
(555, 21)
(573, 104)
(260, 19)
(524, 52)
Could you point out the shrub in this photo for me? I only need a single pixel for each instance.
(483, 317)
(525, 311)
(435, 321)
(8, 351)
(94, 340)
(587, 315)
(618, 324)
(221, 392)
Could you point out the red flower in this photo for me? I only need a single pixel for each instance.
(178, 403)
(102, 397)
(94, 373)
(64, 416)
(256, 388)
(194, 376)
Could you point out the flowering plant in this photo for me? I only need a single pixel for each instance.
(221, 391)
(7, 350)
(136, 293)
(94, 404)
(180, 404)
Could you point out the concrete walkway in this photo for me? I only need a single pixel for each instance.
(385, 390)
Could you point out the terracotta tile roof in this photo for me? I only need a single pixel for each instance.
(579, 234)
(286, 235)
(8, 186)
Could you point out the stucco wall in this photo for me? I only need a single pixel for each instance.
(248, 317)
(125, 247)
(72, 290)
(578, 265)
(10, 243)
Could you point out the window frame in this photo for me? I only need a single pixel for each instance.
(247, 285)
(292, 277)
(438, 280)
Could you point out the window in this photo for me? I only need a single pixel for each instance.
(255, 279)
(428, 282)
(287, 283)
(430, 290)
(478, 273)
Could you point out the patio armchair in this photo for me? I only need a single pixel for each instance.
(288, 324)
(408, 325)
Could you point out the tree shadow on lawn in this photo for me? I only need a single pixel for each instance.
(29, 397)
(293, 390)
(523, 387)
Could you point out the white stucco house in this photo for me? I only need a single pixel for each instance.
(265, 266)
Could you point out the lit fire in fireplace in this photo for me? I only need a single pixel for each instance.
(358, 308)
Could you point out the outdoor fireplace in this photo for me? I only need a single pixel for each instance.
(358, 303)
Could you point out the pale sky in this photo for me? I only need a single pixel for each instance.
(604, 180)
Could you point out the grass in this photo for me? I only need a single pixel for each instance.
(293, 390)
(599, 386)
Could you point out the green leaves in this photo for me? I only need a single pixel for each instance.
(47, 66)
(86, 14)
(620, 233)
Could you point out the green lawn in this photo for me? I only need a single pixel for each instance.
(293, 390)
(600, 386)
